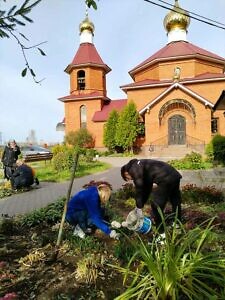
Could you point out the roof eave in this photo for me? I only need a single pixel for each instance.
(175, 58)
(176, 85)
(70, 67)
(126, 88)
(62, 99)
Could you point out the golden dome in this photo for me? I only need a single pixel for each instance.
(176, 18)
(86, 24)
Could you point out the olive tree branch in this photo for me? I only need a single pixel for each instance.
(23, 49)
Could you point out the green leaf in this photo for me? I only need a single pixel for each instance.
(42, 52)
(24, 72)
(11, 10)
(3, 34)
(18, 22)
(24, 36)
(32, 73)
(27, 19)
(91, 3)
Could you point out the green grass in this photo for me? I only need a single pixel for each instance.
(46, 172)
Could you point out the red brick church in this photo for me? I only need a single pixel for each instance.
(179, 91)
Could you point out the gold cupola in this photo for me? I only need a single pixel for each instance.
(176, 23)
(86, 28)
(86, 24)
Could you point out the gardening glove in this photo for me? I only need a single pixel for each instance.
(138, 212)
(124, 224)
(114, 235)
(115, 224)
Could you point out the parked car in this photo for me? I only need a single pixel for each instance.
(35, 153)
(26, 150)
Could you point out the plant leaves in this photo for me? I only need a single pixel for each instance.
(27, 19)
(32, 73)
(24, 36)
(11, 10)
(42, 52)
(24, 72)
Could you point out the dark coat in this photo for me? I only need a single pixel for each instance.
(145, 172)
(22, 177)
(10, 156)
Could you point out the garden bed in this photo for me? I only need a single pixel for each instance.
(84, 269)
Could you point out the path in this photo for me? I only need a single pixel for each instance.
(49, 192)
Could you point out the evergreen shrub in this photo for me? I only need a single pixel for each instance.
(218, 143)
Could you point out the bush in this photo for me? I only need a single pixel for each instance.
(218, 143)
(90, 154)
(127, 191)
(50, 214)
(208, 194)
(192, 161)
(81, 138)
(209, 152)
(63, 160)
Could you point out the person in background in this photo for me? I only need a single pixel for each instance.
(22, 177)
(159, 179)
(85, 210)
(9, 157)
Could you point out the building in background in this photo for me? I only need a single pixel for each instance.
(179, 91)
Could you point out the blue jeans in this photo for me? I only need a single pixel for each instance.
(79, 217)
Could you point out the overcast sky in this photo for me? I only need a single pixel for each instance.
(126, 33)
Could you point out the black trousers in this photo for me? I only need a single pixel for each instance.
(8, 171)
(21, 182)
(161, 195)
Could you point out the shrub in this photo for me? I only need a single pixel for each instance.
(218, 143)
(90, 154)
(58, 148)
(50, 214)
(209, 152)
(192, 161)
(127, 191)
(81, 138)
(5, 189)
(208, 194)
(63, 160)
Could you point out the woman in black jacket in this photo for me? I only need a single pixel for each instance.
(9, 157)
(166, 180)
(23, 177)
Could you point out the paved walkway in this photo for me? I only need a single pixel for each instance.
(49, 192)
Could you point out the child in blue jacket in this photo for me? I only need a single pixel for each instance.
(85, 209)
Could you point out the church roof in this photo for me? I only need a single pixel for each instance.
(177, 50)
(101, 116)
(150, 82)
(87, 55)
(86, 96)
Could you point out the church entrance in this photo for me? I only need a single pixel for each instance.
(176, 130)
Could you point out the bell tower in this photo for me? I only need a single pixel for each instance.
(88, 92)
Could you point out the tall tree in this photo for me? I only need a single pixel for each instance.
(110, 130)
(127, 127)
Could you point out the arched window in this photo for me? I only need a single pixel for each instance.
(83, 116)
(81, 80)
(180, 104)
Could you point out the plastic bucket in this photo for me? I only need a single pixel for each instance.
(145, 225)
(142, 225)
